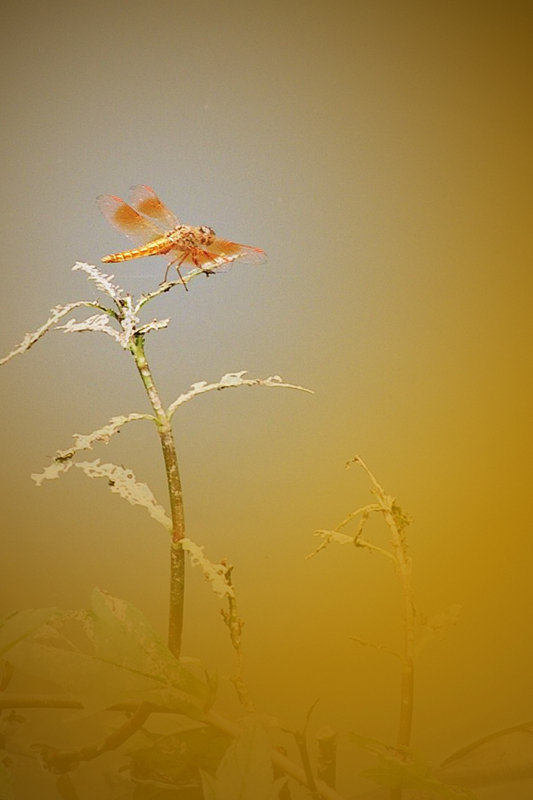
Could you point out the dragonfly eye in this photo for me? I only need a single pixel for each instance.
(207, 233)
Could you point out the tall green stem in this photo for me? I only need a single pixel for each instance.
(168, 446)
(403, 565)
(397, 522)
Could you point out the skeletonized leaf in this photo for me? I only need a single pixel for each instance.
(98, 322)
(85, 441)
(231, 380)
(51, 472)
(154, 325)
(102, 281)
(55, 315)
(120, 480)
(123, 482)
(214, 573)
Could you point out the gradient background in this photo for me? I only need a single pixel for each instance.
(381, 153)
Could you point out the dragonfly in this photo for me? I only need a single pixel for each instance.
(157, 231)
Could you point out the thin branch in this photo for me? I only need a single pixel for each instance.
(166, 287)
(365, 512)
(358, 460)
(382, 647)
(360, 542)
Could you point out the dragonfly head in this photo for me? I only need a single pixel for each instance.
(205, 234)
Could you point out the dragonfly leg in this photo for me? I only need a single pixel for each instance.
(194, 256)
(178, 265)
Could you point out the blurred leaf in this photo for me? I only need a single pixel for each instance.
(129, 661)
(122, 635)
(501, 757)
(6, 785)
(374, 745)
(410, 772)
(171, 757)
(406, 776)
(245, 772)
(65, 787)
(210, 786)
(187, 792)
(166, 767)
(16, 626)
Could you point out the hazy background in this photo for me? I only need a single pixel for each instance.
(381, 153)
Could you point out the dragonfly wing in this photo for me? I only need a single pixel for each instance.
(144, 199)
(230, 251)
(128, 221)
(221, 258)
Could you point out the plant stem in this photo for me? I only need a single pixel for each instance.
(168, 446)
(235, 625)
(61, 761)
(397, 522)
(403, 567)
(403, 564)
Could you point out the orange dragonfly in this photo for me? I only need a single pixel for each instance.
(183, 245)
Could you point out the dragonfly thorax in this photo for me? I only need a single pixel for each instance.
(187, 237)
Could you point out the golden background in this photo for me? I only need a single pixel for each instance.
(381, 153)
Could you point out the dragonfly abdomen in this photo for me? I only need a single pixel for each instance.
(158, 246)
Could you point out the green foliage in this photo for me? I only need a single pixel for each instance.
(245, 772)
(17, 626)
(113, 656)
(168, 766)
